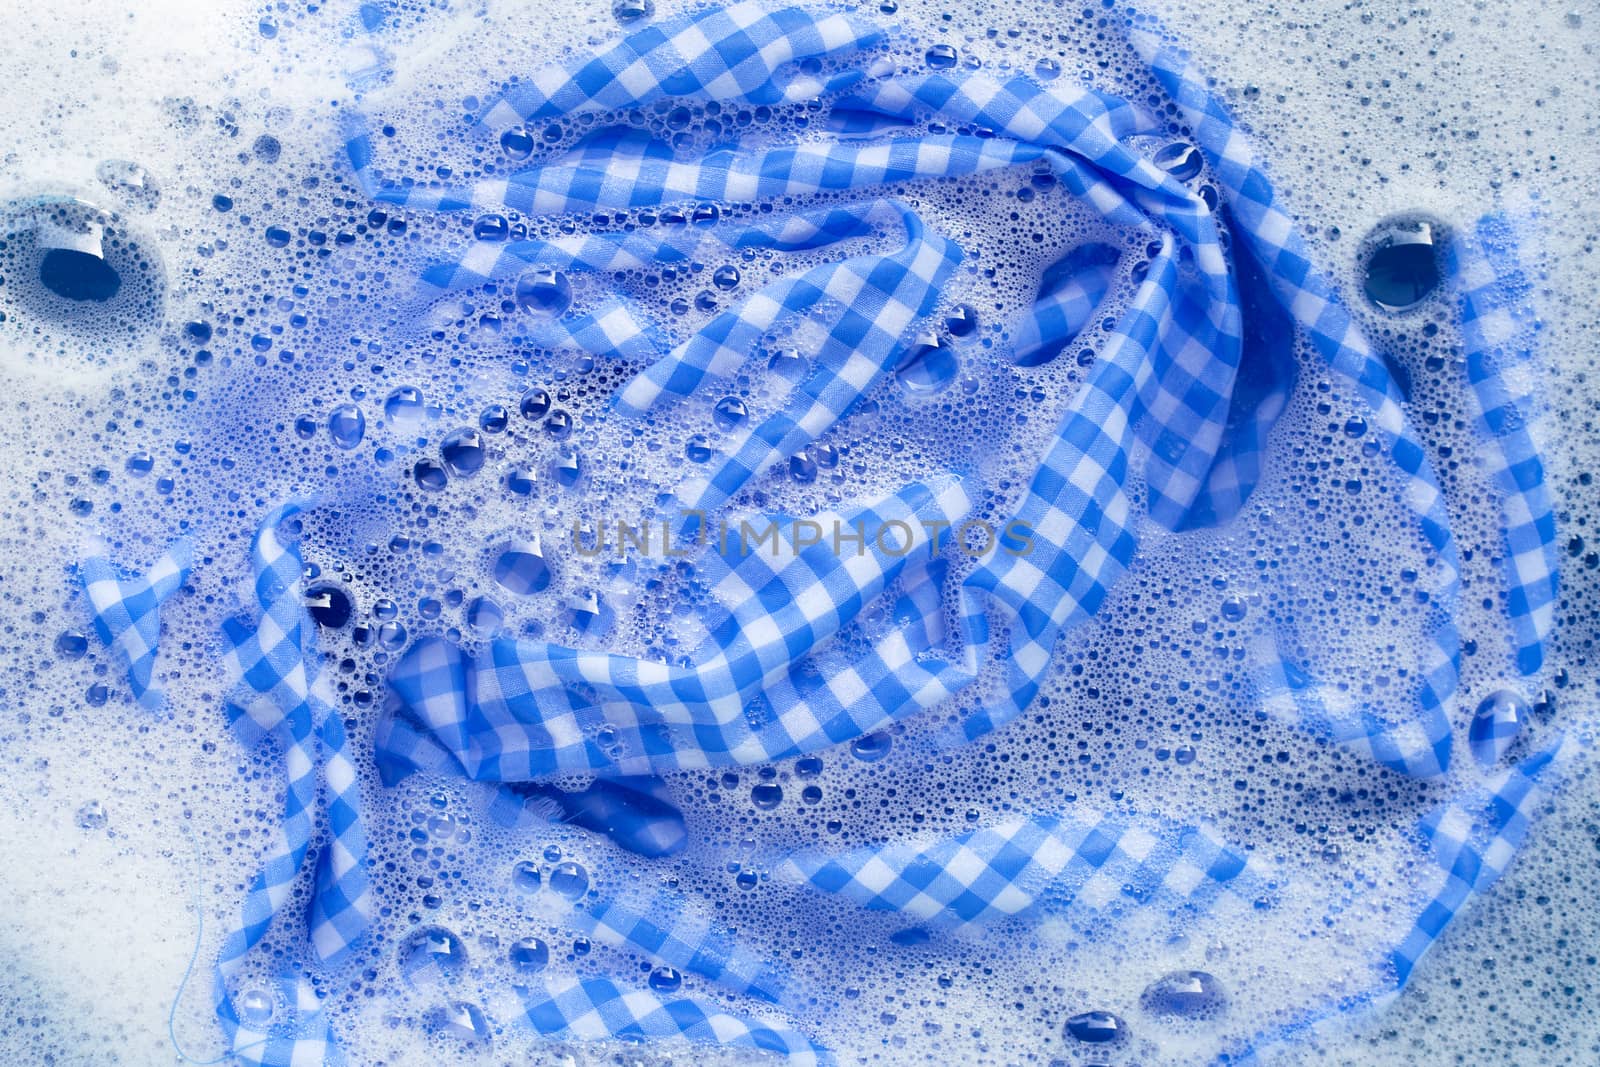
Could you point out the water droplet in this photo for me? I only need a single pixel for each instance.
(544, 293)
(940, 56)
(1233, 609)
(766, 796)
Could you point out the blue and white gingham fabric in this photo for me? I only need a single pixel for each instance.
(126, 612)
(278, 689)
(1093, 862)
(597, 1009)
(523, 710)
(1163, 407)
(1158, 393)
(1469, 840)
(1500, 338)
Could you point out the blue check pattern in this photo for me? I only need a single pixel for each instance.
(1162, 407)
(1094, 863)
(1500, 341)
(600, 1009)
(279, 690)
(1469, 840)
(126, 611)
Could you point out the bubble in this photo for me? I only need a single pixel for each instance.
(729, 413)
(266, 149)
(463, 452)
(544, 293)
(766, 796)
(529, 955)
(940, 56)
(962, 321)
(459, 1020)
(346, 425)
(72, 644)
(429, 475)
(92, 816)
(404, 404)
(484, 615)
(928, 367)
(1180, 159)
(494, 419)
(491, 228)
(726, 277)
(130, 183)
(525, 877)
(630, 11)
(1189, 994)
(534, 403)
(520, 568)
(665, 980)
(1496, 725)
(569, 879)
(73, 271)
(516, 143)
(870, 748)
(1401, 265)
(558, 424)
(1096, 1028)
(328, 605)
(255, 1006)
(431, 955)
(697, 450)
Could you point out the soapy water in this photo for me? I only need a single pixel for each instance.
(447, 448)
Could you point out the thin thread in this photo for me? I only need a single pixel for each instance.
(194, 956)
